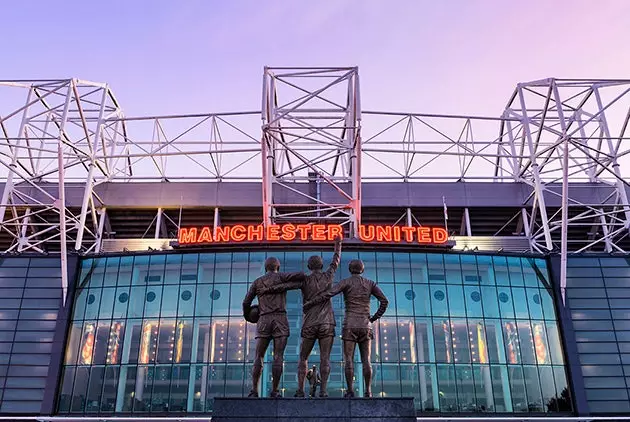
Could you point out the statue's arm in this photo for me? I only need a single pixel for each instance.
(282, 287)
(334, 263)
(383, 302)
(292, 277)
(322, 297)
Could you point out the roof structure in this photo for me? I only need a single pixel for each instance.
(547, 169)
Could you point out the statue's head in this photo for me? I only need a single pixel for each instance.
(315, 262)
(356, 266)
(272, 264)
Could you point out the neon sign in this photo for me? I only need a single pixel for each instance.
(309, 232)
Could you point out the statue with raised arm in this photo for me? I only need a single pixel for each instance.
(357, 328)
(272, 322)
(318, 322)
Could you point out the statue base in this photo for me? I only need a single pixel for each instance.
(313, 409)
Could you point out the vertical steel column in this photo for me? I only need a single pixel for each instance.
(61, 202)
(565, 190)
(620, 186)
(355, 107)
(158, 223)
(8, 186)
(539, 187)
(89, 182)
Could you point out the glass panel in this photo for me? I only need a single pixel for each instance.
(203, 300)
(170, 298)
(501, 389)
(110, 389)
(79, 391)
(555, 348)
(447, 388)
(443, 341)
(409, 383)
(465, 388)
(532, 384)
(563, 397)
(439, 302)
(65, 395)
(490, 302)
(129, 398)
(548, 389)
(179, 388)
(473, 301)
(161, 385)
(456, 304)
(384, 268)
(186, 300)
(517, 389)
(483, 389)
(237, 294)
(405, 297)
(421, 300)
(391, 380)
(389, 339)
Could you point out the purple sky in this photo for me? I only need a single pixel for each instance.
(203, 56)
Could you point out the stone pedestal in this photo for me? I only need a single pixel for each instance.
(313, 410)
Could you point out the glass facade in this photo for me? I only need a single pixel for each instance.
(163, 333)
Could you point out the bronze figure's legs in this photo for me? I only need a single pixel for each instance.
(261, 348)
(305, 351)
(365, 351)
(325, 347)
(348, 356)
(279, 344)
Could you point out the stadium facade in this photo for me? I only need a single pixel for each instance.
(129, 242)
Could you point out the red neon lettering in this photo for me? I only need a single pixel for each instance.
(383, 233)
(366, 237)
(335, 231)
(396, 234)
(238, 233)
(273, 232)
(255, 233)
(205, 236)
(303, 229)
(288, 232)
(319, 232)
(187, 235)
(408, 231)
(440, 235)
(222, 234)
(424, 235)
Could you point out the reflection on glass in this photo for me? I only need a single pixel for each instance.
(164, 334)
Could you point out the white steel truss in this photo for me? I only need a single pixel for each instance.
(312, 133)
(553, 132)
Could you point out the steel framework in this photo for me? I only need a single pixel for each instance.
(314, 132)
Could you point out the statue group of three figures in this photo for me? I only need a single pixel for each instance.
(318, 320)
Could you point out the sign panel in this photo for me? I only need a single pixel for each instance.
(190, 236)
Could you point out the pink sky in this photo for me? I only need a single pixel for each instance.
(424, 56)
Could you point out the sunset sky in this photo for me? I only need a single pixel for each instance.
(424, 56)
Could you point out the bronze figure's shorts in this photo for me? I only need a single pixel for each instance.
(272, 326)
(319, 331)
(358, 335)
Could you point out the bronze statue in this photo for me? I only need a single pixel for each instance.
(357, 322)
(318, 322)
(272, 322)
